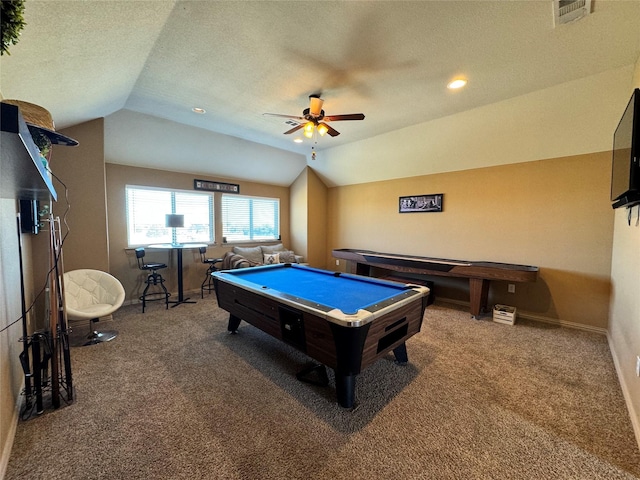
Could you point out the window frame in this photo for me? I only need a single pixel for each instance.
(175, 236)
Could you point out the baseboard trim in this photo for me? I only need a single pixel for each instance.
(634, 416)
(562, 323)
(534, 317)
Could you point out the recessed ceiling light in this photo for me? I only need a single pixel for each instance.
(457, 83)
(199, 110)
(297, 140)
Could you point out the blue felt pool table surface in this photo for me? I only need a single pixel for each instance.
(345, 292)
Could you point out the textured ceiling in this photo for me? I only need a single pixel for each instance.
(238, 59)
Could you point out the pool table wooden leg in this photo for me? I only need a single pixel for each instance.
(234, 323)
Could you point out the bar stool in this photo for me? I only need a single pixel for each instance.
(208, 281)
(154, 278)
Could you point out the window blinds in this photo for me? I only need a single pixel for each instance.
(146, 209)
(250, 218)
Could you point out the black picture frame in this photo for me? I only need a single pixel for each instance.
(421, 203)
(215, 186)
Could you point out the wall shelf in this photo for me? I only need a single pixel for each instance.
(22, 173)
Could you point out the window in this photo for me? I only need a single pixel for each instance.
(146, 209)
(250, 218)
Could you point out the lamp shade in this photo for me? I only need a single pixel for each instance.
(174, 221)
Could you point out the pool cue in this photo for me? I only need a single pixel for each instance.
(24, 356)
(37, 371)
(53, 317)
(62, 314)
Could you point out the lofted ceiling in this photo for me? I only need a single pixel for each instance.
(145, 64)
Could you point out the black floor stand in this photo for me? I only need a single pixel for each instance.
(315, 374)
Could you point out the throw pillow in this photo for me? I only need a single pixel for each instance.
(273, 248)
(287, 257)
(271, 258)
(253, 254)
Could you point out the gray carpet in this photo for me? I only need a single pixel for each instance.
(175, 396)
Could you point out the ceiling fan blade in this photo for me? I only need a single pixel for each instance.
(347, 116)
(294, 129)
(295, 117)
(315, 105)
(330, 130)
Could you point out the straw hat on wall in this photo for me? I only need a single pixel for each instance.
(39, 121)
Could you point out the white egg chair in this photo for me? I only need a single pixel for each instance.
(90, 295)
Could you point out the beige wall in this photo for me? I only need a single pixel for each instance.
(554, 214)
(624, 328)
(84, 206)
(317, 220)
(300, 214)
(122, 262)
(624, 320)
(309, 218)
(11, 376)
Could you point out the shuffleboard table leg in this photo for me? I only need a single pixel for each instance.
(479, 293)
(401, 354)
(234, 323)
(346, 389)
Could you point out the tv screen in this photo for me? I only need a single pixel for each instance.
(625, 175)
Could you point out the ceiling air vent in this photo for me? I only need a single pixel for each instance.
(566, 11)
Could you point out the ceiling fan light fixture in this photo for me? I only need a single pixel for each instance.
(308, 129)
(456, 84)
(313, 119)
(322, 129)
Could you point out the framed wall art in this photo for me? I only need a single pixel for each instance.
(215, 186)
(421, 203)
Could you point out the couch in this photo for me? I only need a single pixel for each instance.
(242, 257)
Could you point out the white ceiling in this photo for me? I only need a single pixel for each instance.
(145, 64)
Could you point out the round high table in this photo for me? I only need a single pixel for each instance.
(178, 247)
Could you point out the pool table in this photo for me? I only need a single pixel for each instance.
(343, 321)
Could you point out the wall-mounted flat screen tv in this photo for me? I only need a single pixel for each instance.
(625, 175)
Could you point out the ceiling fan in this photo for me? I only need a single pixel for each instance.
(313, 118)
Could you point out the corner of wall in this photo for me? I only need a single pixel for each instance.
(317, 195)
(298, 214)
(83, 170)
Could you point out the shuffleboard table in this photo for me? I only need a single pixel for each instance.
(479, 273)
(343, 321)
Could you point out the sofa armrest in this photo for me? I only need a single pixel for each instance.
(233, 260)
